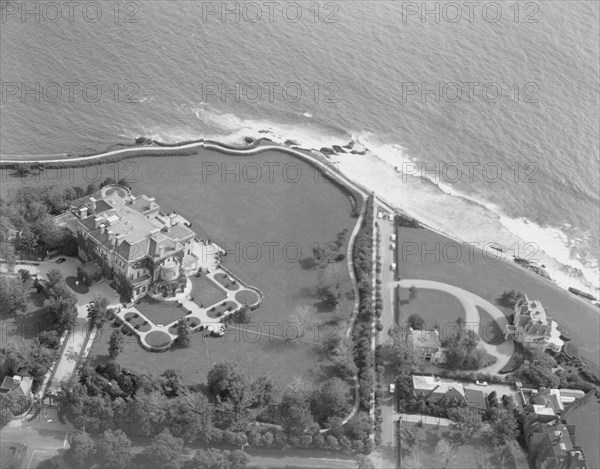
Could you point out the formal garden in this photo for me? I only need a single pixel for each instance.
(285, 278)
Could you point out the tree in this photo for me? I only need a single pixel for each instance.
(510, 298)
(184, 333)
(49, 339)
(301, 317)
(446, 450)
(113, 450)
(416, 322)
(224, 379)
(81, 451)
(6, 415)
(97, 311)
(332, 284)
(115, 344)
(331, 400)
(244, 315)
(213, 458)
(13, 296)
(411, 436)
(91, 189)
(295, 408)
(165, 451)
(412, 293)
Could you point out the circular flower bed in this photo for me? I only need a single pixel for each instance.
(82, 288)
(221, 309)
(247, 297)
(158, 339)
(227, 282)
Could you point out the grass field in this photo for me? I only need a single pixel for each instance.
(434, 306)
(205, 292)
(490, 279)
(268, 227)
(160, 312)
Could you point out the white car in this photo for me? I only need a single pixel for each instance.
(393, 238)
(481, 383)
(393, 266)
(379, 214)
(392, 388)
(216, 330)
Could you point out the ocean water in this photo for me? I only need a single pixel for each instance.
(367, 72)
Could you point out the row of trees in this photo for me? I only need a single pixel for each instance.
(362, 333)
(113, 451)
(108, 398)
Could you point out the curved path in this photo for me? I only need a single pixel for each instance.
(469, 302)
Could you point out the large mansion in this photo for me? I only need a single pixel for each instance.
(533, 328)
(130, 240)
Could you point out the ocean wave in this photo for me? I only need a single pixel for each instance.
(467, 217)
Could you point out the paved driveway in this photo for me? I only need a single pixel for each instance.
(470, 301)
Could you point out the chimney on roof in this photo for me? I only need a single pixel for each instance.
(97, 221)
(161, 251)
(83, 212)
(102, 228)
(17, 378)
(172, 218)
(111, 237)
(93, 204)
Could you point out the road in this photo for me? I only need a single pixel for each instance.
(469, 302)
(65, 365)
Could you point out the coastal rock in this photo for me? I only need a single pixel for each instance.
(141, 140)
(291, 142)
(350, 145)
(338, 149)
(249, 139)
(358, 152)
(327, 151)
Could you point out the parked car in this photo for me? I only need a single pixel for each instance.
(392, 388)
(379, 214)
(61, 260)
(481, 383)
(393, 238)
(393, 266)
(216, 330)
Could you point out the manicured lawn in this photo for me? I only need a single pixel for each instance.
(227, 282)
(222, 308)
(587, 420)
(490, 279)
(434, 306)
(137, 322)
(489, 330)
(205, 292)
(158, 338)
(285, 218)
(246, 297)
(161, 312)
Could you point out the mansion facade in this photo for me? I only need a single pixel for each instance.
(533, 328)
(141, 248)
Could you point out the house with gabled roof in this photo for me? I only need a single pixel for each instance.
(532, 328)
(17, 386)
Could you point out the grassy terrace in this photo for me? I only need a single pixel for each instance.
(434, 306)
(489, 279)
(241, 215)
(161, 312)
(205, 292)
